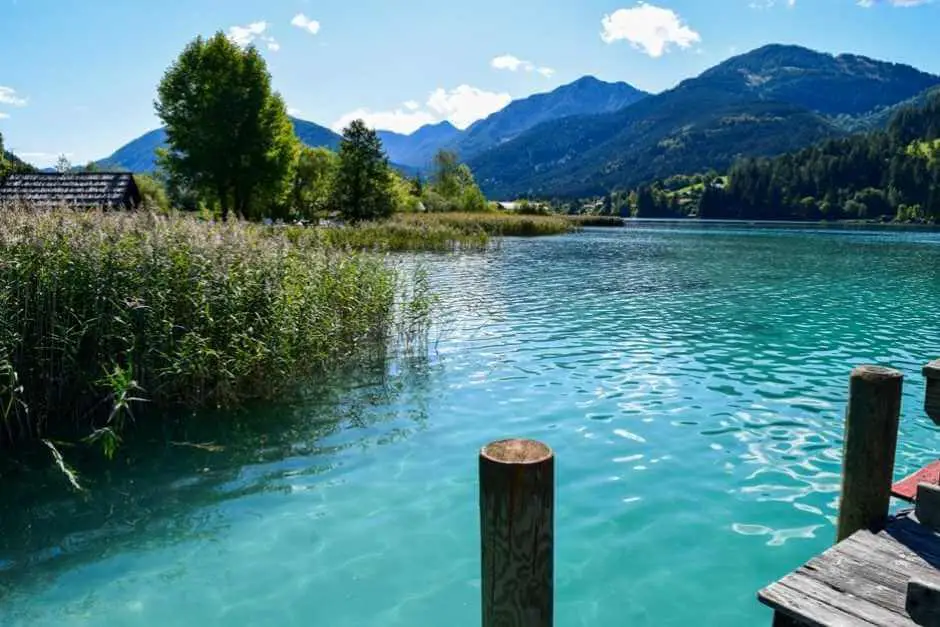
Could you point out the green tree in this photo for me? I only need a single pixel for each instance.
(446, 177)
(313, 182)
(417, 186)
(229, 135)
(362, 189)
(153, 193)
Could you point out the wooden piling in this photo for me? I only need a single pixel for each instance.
(517, 511)
(871, 437)
(932, 394)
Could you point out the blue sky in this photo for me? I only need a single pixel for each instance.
(78, 77)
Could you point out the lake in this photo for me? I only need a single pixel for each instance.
(690, 378)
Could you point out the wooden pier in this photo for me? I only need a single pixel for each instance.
(885, 570)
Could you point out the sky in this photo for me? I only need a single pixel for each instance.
(78, 77)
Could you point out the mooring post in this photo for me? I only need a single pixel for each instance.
(871, 437)
(517, 515)
(932, 395)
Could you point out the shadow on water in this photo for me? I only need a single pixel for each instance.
(173, 480)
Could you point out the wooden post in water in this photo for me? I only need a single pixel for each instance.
(932, 395)
(517, 513)
(871, 437)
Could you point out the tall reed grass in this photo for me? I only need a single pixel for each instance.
(101, 313)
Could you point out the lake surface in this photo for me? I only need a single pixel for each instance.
(691, 380)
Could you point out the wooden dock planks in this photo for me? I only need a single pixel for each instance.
(862, 581)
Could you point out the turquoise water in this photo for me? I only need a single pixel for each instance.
(690, 379)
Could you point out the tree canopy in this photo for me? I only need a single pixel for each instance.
(362, 187)
(230, 138)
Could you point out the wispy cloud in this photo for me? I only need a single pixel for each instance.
(650, 29)
(256, 31)
(515, 64)
(8, 96)
(460, 106)
(303, 22)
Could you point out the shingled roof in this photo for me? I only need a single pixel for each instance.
(87, 190)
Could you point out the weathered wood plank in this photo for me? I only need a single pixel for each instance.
(807, 610)
(864, 579)
(857, 597)
(858, 579)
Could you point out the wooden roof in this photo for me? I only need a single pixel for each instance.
(77, 189)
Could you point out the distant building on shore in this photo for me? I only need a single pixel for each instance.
(79, 190)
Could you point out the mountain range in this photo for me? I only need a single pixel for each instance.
(590, 137)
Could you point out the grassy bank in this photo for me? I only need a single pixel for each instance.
(489, 223)
(100, 310)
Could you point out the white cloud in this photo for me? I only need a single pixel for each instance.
(246, 35)
(302, 21)
(648, 28)
(4, 115)
(509, 62)
(42, 159)
(9, 96)
(514, 64)
(293, 111)
(399, 120)
(461, 106)
(465, 105)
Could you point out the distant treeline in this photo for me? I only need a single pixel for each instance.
(892, 174)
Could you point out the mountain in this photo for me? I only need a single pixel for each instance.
(768, 101)
(139, 155)
(418, 149)
(585, 96)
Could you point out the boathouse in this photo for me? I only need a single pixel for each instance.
(80, 190)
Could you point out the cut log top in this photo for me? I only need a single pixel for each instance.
(932, 370)
(876, 374)
(516, 452)
(862, 580)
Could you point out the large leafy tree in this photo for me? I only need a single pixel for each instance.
(362, 187)
(229, 136)
(313, 181)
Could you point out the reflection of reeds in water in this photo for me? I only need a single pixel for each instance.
(170, 483)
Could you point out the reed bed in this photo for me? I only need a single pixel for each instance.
(490, 223)
(589, 220)
(396, 235)
(102, 313)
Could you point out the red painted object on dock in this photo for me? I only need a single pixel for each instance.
(906, 489)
